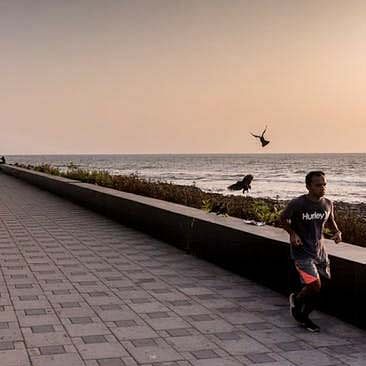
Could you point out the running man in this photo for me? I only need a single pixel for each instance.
(304, 219)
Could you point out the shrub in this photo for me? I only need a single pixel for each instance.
(350, 218)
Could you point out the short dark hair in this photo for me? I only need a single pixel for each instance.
(314, 173)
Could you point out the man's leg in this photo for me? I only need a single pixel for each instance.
(308, 297)
(303, 303)
(310, 293)
(305, 300)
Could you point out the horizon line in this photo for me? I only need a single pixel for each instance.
(194, 153)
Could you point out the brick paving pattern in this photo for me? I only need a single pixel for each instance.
(79, 289)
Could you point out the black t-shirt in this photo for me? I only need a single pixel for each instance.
(307, 218)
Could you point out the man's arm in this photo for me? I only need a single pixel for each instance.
(285, 223)
(337, 237)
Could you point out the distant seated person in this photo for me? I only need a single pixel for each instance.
(2, 160)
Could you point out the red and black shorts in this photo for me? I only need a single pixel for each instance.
(310, 269)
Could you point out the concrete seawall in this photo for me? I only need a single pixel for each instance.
(259, 253)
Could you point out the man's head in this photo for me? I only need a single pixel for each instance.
(316, 183)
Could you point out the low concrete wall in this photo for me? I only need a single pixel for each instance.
(259, 253)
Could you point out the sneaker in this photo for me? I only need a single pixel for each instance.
(310, 326)
(294, 309)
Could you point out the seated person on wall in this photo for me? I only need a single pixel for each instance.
(2, 160)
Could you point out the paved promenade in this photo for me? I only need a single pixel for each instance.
(79, 289)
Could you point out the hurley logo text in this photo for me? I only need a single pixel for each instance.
(313, 216)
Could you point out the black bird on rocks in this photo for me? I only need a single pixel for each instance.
(242, 184)
(263, 141)
(220, 208)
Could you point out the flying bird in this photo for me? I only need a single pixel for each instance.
(263, 141)
(242, 184)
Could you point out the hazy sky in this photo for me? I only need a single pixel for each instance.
(182, 76)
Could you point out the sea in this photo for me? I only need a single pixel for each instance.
(278, 176)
